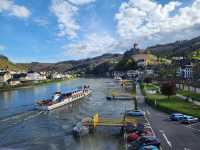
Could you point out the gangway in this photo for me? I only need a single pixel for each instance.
(118, 122)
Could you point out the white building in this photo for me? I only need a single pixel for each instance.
(117, 74)
(57, 76)
(34, 76)
(185, 72)
(5, 76)
(149, 71)
(131, 73)
(3, 70)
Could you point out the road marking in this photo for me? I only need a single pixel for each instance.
(141, 97)
(193, 128)
(148, 122)
(193, 124)
(148, 112)
(150, 125)
(165, 137)
(186, 148)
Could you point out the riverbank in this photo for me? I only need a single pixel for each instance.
(174, 104)
(9, 87)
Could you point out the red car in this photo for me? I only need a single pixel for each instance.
(133, 136)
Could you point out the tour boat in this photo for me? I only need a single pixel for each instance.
(59, 99)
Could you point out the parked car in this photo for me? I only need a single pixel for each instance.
(135, 113)
(133, 136)
(189, 119)
(145, 141)
(147, 133)
(149, 147)
(149, 140)
(176, 116)
(135, 145)
(131, 128)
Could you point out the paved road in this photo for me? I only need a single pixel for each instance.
(173, 135)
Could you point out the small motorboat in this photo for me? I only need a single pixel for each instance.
(82, 128)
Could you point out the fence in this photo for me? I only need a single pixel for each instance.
(188, 88)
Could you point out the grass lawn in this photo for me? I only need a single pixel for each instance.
(151, 86)
(194, 96)
(174, 104)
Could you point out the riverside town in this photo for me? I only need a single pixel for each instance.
(100, 75)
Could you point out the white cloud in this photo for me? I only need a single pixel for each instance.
(41, 21)
(2, 47)
(148, 22)
(81, 2)
(93, 45)
(14, 9)
(66, 12)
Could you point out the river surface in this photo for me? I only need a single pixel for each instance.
(22, 127)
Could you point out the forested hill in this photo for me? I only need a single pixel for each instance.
(109, 62)
(178, 48)
(5, 63)
(96, 65)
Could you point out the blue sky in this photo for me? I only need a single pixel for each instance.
(58, 30)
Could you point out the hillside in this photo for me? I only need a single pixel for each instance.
(127, 62)
(178, 48)
(89, 66)
(5, 63)
(196, 54)
(36, 66)
(105, 63)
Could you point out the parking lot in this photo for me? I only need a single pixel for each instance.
(146, 131)
(173, 134)
(194, 126)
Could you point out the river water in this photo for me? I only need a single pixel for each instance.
(22, 127)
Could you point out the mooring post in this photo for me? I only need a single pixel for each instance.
(136, 104)
(91, 129)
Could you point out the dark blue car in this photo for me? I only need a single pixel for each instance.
(176, 116)
(149, 147)
(189, 119)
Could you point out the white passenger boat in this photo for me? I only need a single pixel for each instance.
(59, 99)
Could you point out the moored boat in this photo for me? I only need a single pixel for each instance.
(59, 99)
(82, 128)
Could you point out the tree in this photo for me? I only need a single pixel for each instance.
(168, 89)
(126, 64)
